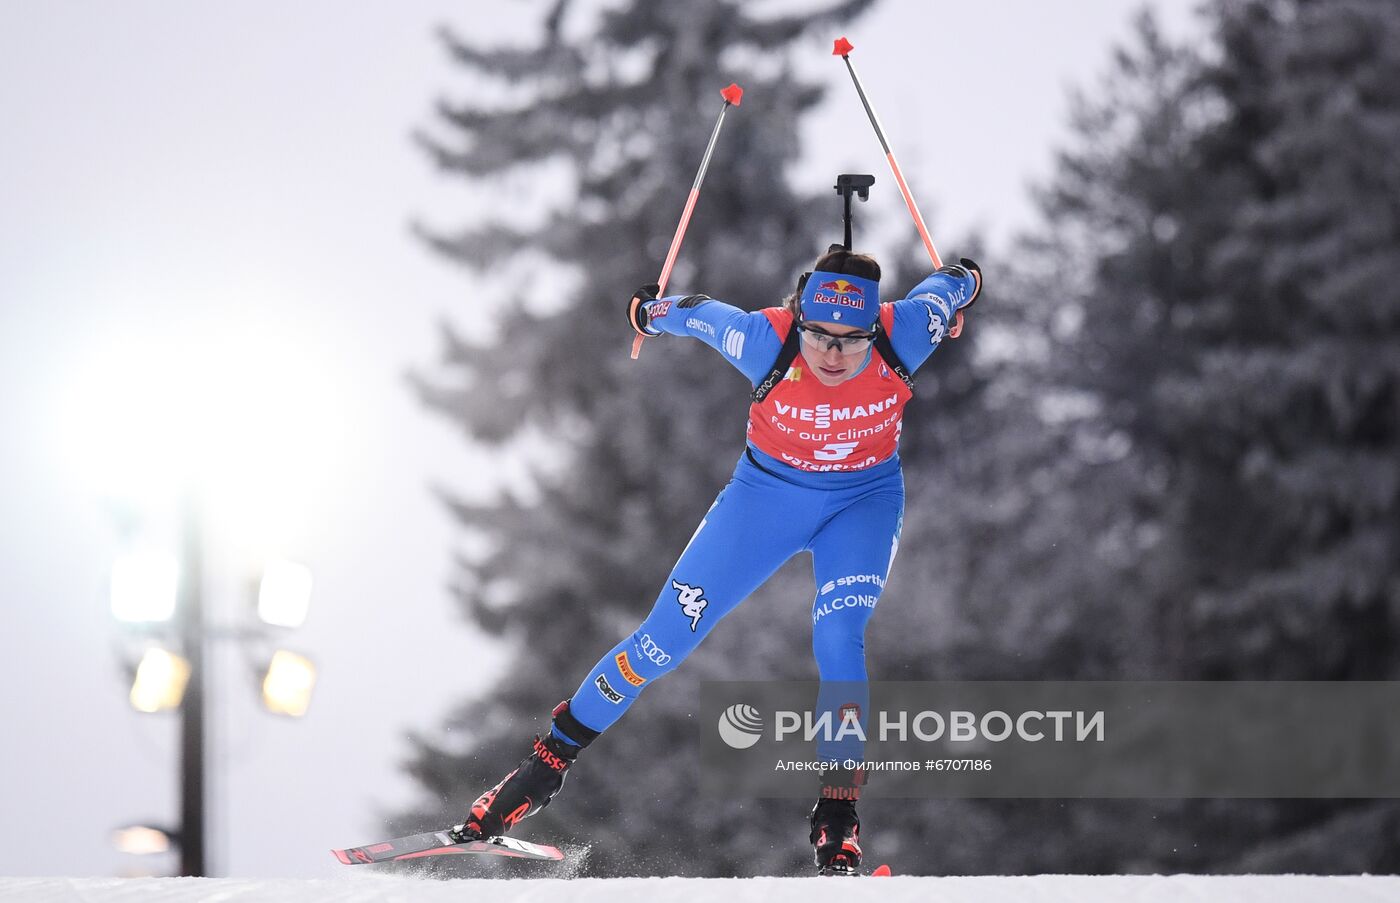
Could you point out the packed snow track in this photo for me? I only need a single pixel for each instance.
(373, 888)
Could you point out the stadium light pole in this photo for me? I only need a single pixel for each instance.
(193, 730)
(287, 681)
(178, 435)
(165, 593)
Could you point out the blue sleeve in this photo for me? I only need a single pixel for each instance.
(921, 320)
(746, 340)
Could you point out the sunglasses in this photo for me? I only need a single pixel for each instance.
(853, 343)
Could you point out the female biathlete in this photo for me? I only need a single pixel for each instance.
(820, 473)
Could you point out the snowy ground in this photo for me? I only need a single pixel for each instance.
(376, 887)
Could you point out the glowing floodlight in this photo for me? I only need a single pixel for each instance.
(142, 840)
(160, 681)
(284, 595)
(288, 683)
(144, 584)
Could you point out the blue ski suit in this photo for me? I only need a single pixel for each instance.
(772, 508)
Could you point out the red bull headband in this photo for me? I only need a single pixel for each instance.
(841, 298)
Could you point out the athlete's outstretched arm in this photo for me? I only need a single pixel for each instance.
(922, 318)
(746, 340)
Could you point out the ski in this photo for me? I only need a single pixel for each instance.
(444, 843)
(882, 871)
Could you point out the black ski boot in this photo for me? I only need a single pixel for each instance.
(835, 833)
(531, 786)
(836, 837)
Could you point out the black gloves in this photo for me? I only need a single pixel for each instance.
(965, 267)
(637, 316)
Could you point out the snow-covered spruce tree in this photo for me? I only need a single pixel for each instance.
(1235, 344)
(1200, 477)
(1285, 428)
(616, 107)
(1283, 432)
(1240, 339)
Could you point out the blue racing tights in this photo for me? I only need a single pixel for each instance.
(767, 513)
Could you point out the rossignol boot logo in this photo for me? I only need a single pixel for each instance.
(548, 757)
(692, 602)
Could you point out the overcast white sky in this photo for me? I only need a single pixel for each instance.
(178, 174)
